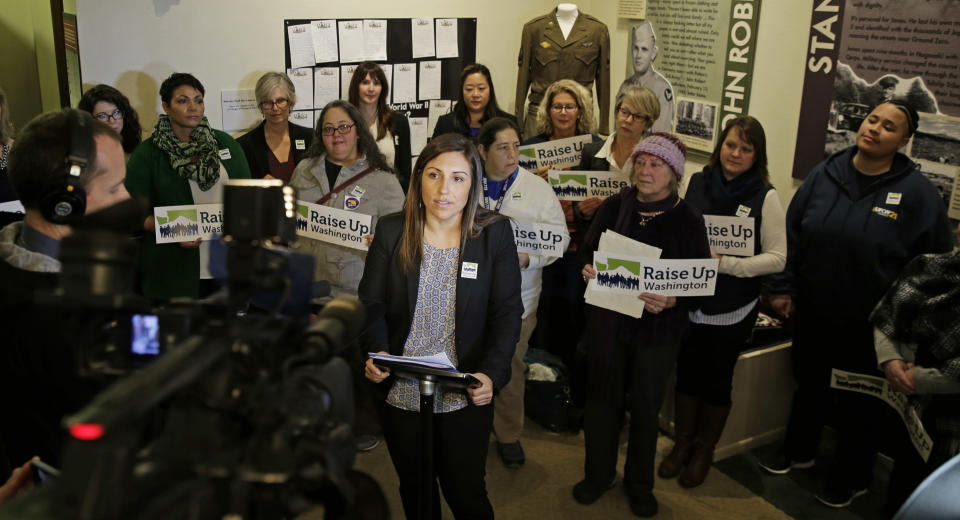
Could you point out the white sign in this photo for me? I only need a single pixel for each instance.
(187, 223)
(558, 154)
(536, 238)
(617, 244)
(582, 185)
(333, 225)
(239, 110)
(732, 236)
(635, 275)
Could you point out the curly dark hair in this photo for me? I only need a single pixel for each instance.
(178, 79)
(131, 134)
(366, 144)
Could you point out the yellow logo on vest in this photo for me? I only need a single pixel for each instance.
(884, 212)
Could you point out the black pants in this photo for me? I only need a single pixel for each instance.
(820, 345)
(707, 359)
(644, 372)
(561, 319)
(460, 441)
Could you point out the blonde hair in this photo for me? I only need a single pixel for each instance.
(586, 122)
(272, 80)
(642, 99)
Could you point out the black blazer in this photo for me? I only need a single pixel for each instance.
(255, 147)
(446, 123)
(400, 130)
(489, 307)
(589, 161)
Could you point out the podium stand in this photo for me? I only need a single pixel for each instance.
(429, 379)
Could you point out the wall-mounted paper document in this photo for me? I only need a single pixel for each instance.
(418, 134)
(438, 107)
(728, 235)
(537, 238)
(326, 86)
(405, 83)
(303, 85)
(351, 41)
(301, 46)
(421, 30)
(375, 40)
(324, 35)
(302, 118)
(333, 225)
(447, 39)
(430, 80)
(388, 72)
(582, 185)
(239, 109)
(187, 223)
(346, 74)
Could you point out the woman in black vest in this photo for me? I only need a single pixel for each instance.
(734, 183)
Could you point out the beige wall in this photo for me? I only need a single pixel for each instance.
(30, 66)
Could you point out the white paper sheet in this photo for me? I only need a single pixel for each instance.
(438, 107)
(375, 40)
(302, 118)
(303, 85)
(346, 74)
(447, 46)
(612, 242)
(301, 46)
(388, 72)
(430, 80)
(351, 41)
(418, 134)
(326, 86)
(324, 36)
(239, 110)
(405, 83)
(421, 30)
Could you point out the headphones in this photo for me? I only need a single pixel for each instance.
(66, 201)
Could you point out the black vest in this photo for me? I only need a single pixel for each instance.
(731, 292)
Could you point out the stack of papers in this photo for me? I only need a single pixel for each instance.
(617, 244)
(439, 361)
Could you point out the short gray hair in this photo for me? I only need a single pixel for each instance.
(272, 80)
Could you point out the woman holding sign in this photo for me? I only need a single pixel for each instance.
(276, 145)
(443, 277)
(369, 92)
(184, 162)
(344, 169)
(636, 355)
(735, 183)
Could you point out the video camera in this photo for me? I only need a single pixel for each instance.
(223, 411)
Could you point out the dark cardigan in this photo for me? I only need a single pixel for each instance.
(254, 145)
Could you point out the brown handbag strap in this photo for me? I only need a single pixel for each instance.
(343, 185)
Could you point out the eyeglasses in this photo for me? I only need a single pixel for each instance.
(342, 129)
(280, 103)
(561, 108)
(630, 116)
(117, 115)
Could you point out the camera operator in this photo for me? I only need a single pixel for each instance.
(63, 165)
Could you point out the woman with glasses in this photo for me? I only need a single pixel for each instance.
(369, 92)
(276, 145)
(476, 104)
(344, 169)
(183, 162)
(113, 108)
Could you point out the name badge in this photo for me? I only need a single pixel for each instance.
(469, 270)
(224, 154)
(894, 198)
(743, 211)
(351, 203)
(358, 191)
(300, 144)
(516, 195)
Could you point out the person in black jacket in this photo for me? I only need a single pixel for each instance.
(735, 183)
(476, 104)
(276, 145)
(442, 277)
(858, 218)
(369, 92)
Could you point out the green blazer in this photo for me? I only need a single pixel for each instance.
(168, 270)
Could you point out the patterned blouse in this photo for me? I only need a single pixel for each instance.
(433, 329)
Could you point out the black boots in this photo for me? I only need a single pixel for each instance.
(711, 421)
(686, 408)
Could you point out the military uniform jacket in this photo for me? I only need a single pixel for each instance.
(545, 57)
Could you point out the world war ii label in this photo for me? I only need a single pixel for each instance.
(732, 236)
(536, 238)
(558, 154)
(582, 185)
(187, 223)
(333, 225)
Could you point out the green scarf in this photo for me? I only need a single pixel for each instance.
(196, 159)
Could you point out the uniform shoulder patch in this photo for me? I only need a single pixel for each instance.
(668, 94)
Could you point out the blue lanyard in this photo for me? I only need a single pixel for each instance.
(500, 198)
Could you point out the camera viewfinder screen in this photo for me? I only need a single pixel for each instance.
(145, 337)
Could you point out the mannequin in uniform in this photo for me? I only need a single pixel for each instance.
(644, 75)
(563, 44)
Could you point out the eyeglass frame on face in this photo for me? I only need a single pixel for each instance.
(116, 115)
(630, 116)
(561, 108)
(280, 103)
(343, 129)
